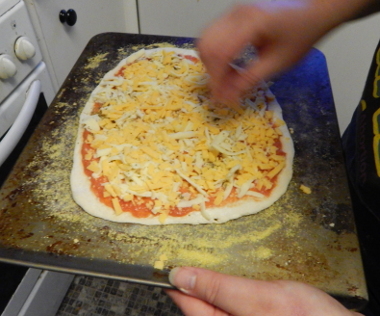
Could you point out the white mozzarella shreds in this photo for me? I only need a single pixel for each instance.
(155, 133)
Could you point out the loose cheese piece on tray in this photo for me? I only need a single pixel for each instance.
(305, 189)
(152, 148)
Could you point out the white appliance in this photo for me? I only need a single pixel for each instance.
(25, 93)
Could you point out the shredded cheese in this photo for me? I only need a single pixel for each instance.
(305, 189)
(158, 135)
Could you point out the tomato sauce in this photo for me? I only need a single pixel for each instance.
(120, 73)
(192, 58)
(279, 151)
(96, 108)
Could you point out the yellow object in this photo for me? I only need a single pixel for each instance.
(305, 189)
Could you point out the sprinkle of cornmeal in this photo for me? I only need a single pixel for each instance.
(94, 62)
(156, 113)
(263, 252)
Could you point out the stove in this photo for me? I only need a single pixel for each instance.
(25, 93)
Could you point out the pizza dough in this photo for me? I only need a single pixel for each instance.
(164, 145)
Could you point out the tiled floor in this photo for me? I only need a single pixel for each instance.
(94, 296)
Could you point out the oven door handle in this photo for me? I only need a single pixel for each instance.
(14, 134)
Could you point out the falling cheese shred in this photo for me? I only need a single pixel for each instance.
(155, 133)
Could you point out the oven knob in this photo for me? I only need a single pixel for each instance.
(7, 67)
(24, 49)
(69, 17)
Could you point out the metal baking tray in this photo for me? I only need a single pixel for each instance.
(304, 237)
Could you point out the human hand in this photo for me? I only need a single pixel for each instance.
(282, 33)
(203, 292)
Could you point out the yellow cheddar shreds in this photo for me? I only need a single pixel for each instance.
(219, 197)
(268, 115)
(275, 170)
(108, 187)
(90, 138)
(162, 217)
(94, 167)
(305, 189)
(89, 155)
(159, 135)
(116, 206)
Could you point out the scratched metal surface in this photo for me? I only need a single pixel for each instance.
(305, 237)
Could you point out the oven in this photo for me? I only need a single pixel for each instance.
(25, 93)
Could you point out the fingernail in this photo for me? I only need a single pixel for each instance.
(183, 279)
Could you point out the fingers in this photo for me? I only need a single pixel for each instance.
(233, 82)
(281, 32)
(221, 43)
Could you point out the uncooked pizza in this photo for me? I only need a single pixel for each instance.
(152, 148)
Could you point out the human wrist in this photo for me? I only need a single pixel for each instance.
(337, 12)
